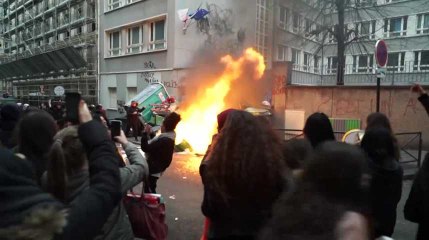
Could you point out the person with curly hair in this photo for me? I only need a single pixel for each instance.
(244, 174)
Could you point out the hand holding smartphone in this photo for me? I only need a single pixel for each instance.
(72, 107)
(115, 128)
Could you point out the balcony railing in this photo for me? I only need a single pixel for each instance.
(361, 75)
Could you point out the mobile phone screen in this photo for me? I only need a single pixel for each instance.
(72, 107)
(115, 128)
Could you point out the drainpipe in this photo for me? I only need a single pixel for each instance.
(98, 49)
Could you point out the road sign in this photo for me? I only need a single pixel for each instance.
(59, 90)
(381, 53)
(381, 72)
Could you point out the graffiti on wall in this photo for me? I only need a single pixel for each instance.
(349, 106)
(149, 65)
(151, 77)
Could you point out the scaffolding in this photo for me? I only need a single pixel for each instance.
(49, 43)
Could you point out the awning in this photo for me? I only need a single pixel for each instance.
(64, 59)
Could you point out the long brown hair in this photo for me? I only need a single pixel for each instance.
(65, 158)
(379, 120)
(246, 161)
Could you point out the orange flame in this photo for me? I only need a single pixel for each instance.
(199, 120)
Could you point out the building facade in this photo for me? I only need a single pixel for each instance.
(49, 44)
(304, 35)
(142, 42)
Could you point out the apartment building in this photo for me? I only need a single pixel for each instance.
(403, 24)
(142, 42)
(49, 44)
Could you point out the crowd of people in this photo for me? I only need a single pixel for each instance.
(257, 187)
(64, 181)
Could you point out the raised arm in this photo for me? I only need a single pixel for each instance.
(423, 98)
(134, 173)
(90, 210)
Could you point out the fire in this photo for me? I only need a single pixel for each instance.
(199, 120)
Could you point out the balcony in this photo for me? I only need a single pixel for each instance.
(360, 76)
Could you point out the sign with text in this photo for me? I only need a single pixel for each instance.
(381, 72)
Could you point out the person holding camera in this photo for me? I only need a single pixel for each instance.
(68, 177)
(30, 213)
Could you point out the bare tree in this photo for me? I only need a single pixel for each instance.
(333, 15)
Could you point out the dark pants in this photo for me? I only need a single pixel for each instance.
(151, 186)
(134, 123)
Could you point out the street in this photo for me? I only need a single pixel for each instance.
(182, 190)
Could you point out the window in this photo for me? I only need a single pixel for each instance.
(296, 56)
(331, 36)
(282, 53)
(423, 23)
(134, 43)
(112, 97)
(296, 22)
(307, 57)
(113, 4)
(389, 1)
(396, 61)
(318, 32)
(363, 3)
(132, 92)
(157, 35)
(316, 64)
(395, 27)
(115, 43)
(296, 59)
(76, 12)
(283, 17)
(421, 60)
(308, 26)
(363, 63)
(366, 30)
(332, 65)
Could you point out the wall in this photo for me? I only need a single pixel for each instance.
(402, 107)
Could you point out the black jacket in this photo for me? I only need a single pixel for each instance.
(235, 219)
(6, 134)
(159, 153)
(385, 193)
(21, 197)
(417, 206)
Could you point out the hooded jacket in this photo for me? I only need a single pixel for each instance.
(118, 226)
(27, 212)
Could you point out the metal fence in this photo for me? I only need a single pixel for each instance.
(410, 143)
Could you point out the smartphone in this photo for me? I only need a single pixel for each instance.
(72, 107)
(115, 128)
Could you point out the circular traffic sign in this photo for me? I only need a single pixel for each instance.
(381, 53)
(59, 90)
